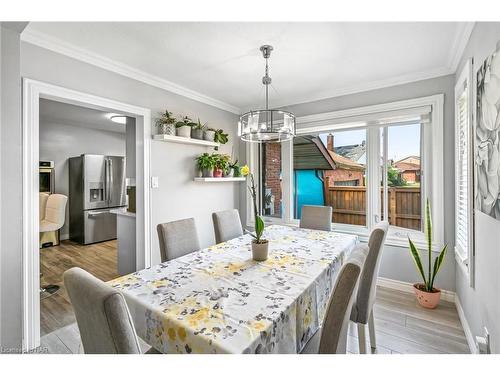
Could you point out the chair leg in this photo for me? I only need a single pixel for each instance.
(362, 338)
(371, 329)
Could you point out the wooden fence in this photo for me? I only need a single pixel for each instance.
(349, 205)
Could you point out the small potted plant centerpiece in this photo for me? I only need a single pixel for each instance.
(427, 295)
(166, 123)
(260, 246)
(198, 130)
(221, 163)
(206, 163)
(183, 128)
(209, 134)
(220, 137)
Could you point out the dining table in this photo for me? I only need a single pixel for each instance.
(219, 300)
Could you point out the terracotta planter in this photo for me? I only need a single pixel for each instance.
(260, 250)
(184, 131)
(426, 299)
(217, 172)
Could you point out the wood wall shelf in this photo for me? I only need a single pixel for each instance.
(190, 141)
(219, 179)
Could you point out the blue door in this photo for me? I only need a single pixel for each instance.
(308, 189)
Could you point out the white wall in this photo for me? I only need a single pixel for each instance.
(481, 304)
(177, 197)
(60, 142)
(396, 261)
(10, 188)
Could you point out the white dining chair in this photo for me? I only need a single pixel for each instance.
(177, 238)
(331, 337)
(362, 311)
(102, 315)
(316, 217)
(227, 225)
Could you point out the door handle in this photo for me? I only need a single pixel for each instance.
(97, 213)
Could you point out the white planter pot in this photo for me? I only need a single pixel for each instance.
(209, 135)
(260, 250)
(184, 131)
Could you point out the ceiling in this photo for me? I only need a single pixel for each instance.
(220, 63)
(69, 114)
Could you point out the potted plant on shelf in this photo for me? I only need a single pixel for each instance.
(227, 171)
(183, 128)
(197, 131)
(236, 169)
(209, 134)
(220, 163)
(260, 246)
(206, 163)
(220, 137)
(166, 123)
(427, 295)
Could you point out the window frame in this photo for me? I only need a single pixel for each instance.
(465, 257)
(432, 164)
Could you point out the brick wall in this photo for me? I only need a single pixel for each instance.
(272, 153)
(344, 175)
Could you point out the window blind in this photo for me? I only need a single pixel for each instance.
(463, 202)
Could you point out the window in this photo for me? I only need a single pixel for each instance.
(368, 163)
(329, 169)
(402, 204)
(271, 180)
(463, 169)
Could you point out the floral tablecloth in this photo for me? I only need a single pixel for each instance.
(218, 300)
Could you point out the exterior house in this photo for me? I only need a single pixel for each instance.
(409, 169)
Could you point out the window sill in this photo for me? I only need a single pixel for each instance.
(363, 235)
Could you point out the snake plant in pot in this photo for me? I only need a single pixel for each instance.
(260, 246)
(427, 295)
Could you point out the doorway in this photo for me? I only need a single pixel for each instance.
(33, 93)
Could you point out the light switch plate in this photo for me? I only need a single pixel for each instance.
(154, 182)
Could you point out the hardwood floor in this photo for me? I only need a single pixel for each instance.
(99, 259)
(401, 326)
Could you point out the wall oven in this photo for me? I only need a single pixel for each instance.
(47, 177)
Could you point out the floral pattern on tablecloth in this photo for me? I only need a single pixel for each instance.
(218, 300)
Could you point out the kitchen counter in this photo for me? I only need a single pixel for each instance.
(122, 212)
(125, 231)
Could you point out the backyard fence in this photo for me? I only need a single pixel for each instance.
(349, 205)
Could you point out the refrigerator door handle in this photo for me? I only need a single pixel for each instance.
(106, 180)
(111, 182)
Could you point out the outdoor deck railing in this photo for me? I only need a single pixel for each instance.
(349, 205)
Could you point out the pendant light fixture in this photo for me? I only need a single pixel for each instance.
(266, 125)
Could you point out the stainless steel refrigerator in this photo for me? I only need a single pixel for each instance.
(96, 186)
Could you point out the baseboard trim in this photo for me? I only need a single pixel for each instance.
(404, 286)
(465, 325)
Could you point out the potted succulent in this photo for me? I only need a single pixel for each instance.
(427, 295)
(183, 128)
(260, 246)
(197, 131)
(236, 169)
(166, 123)
(205, 163)
(220, 163)
(209, 134)
(220, 137)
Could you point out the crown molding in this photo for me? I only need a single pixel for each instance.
(364, 87)
(458, 47)
(56, 45)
